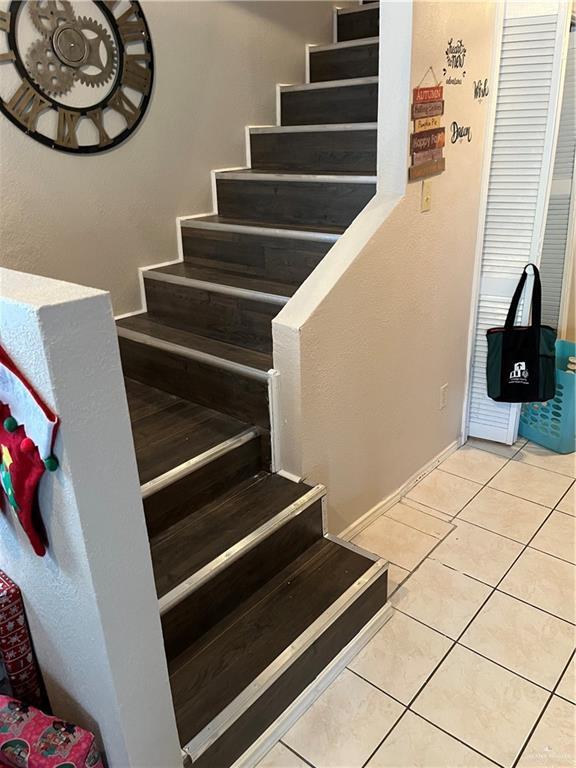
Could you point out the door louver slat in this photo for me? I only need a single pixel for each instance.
(519, 146)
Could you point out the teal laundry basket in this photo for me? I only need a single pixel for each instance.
(552, 424)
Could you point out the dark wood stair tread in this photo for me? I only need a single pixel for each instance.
(143, 324)
(212, 672)
(224, 220)
(223, 277)
(169, 430)
(323, 177)
(219, 525)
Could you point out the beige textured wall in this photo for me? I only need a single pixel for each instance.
(95, 220)
(394, 329)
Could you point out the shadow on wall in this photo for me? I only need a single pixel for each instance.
(96, 220)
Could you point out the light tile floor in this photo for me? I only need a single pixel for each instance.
(476, 667)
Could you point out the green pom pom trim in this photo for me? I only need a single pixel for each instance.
(10, 424)
(51, 463)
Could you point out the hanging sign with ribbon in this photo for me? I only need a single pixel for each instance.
(428, 138)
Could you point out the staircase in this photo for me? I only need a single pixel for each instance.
(256, 599)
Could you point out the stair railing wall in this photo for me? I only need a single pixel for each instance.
(91, 601)
(368, 340)
(395, 55)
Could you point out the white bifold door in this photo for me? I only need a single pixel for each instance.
(517, 190)
(556, 263)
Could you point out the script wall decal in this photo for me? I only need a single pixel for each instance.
(455, 62)
(460, 132)
(481, 89)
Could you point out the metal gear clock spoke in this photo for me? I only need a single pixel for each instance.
(88, 60)
(54, 77)
(102, 40)
(46, 15)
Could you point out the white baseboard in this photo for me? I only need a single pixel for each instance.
(378, 509)
(128, 314)
(289, 475)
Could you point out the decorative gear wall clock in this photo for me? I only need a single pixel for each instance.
(75, 76)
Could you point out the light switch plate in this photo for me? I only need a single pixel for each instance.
(426, 199)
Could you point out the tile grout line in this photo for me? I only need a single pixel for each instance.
(416, 714)
(503, 666)
(404, 567)
(520, 461)
(470, 480)
(377, 687)
(482, 486)
(412, 527)
(489, 530)
(551, 554)
(539, 466)
(487, 485)
(290, 749)
(493, 589)
(456, 642)
(515, 495)
(456, 738)
(407, 501)
(541, 715)
(380, 743)
(543, 610)
(567, 491)
(494, 453)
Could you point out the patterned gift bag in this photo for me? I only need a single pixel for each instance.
(31, 739)
(16, 653)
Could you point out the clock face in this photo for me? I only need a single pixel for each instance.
(75, 76)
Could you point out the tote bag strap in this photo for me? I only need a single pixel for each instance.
(536, 298)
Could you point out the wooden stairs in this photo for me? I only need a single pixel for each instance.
(256, 599)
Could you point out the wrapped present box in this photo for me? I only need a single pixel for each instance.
(21, 672)
(31, 739)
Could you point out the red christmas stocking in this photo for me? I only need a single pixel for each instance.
(27, 433)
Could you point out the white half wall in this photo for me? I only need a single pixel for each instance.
(367, 342)
(90, 601)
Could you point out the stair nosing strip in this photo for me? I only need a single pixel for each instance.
(370, 7)
(374, 40)
(296, 708)
(312, 178)
(352, 547)
(193, 354)
(227, 290)
(319, 128)
(228, 716)
(350, 82)
(180, 592)
(253, 229)
(197, 462)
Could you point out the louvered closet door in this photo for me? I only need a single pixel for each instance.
(554, 249)
(523, 139)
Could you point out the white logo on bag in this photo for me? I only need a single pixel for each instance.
(519, 374)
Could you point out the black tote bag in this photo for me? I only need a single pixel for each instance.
(521, 359)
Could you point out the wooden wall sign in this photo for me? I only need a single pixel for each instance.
(429, 137)
(427, 123)
(427, 109)
(425, 157)
(425, 140)
(425, 170)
